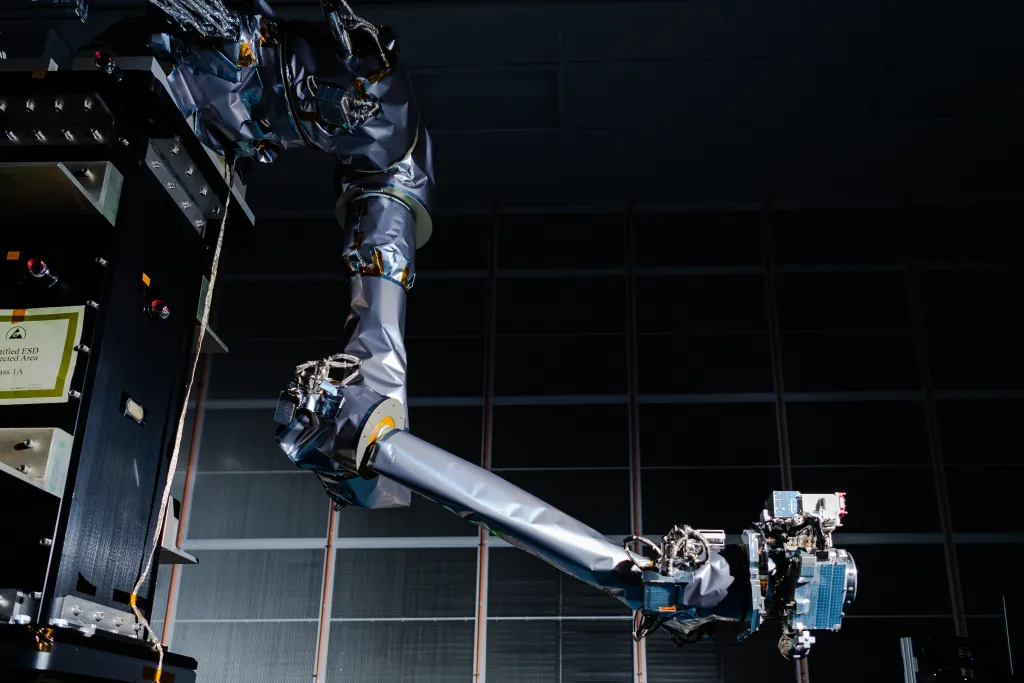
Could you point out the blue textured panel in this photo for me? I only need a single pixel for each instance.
(827, 592)
(786, 503)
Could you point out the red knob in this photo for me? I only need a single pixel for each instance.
(38, 268)
(158, 309)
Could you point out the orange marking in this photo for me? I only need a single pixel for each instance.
(18, 315)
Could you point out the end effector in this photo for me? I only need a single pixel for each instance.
(786, 568)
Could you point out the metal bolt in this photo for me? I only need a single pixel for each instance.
(92, 304)
(24, 469)
(101, 261)
(136, 627)
(171, 185)
(75, 610)
(11, 136)
(39, 135)
(216, 210)
(98, 616)
(68, 136)
(3, 106)
(175, 149)
(96, 134)
(58, 104)
(75, 394)
(200, 223)
(155, 163)
(82, 348)
(186, 205)
(21, 619)
(87, 104)
(37, 596)
(30, 105)
(28, 443)
(189, 171)
(204, 191)
(123, 142)
(119, 622)
(45, 542)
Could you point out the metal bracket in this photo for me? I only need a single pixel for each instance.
(170, 164)
(89, 617)
(37, 456)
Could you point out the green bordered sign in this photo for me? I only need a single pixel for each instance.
(37, 353)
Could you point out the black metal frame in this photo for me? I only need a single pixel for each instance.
(108, 517)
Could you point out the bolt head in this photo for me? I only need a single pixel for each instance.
(76, 610)
(21, 619)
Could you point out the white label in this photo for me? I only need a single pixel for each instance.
(37, 353)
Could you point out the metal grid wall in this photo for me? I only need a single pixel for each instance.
(637, 372)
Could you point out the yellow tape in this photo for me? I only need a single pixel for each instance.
(131, 600)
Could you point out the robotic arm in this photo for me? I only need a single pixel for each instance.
(257, 85)
(692, 584)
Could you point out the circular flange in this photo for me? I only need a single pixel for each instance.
(387, 415)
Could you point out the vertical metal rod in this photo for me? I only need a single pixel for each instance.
(909, 660)
(775, 339)
(326, 600)
(174, 589)
(801, 669)
(486, 446)
(934, 441)
(1006, 626)
(633, 377)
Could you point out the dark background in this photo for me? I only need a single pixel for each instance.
(867, 153)
(405, 581)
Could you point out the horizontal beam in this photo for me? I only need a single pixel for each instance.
(643, 271)
(472, 542)
(662, 399)
(626, 617)
(642, 208)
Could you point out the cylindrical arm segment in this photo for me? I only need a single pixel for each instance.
(523, 520)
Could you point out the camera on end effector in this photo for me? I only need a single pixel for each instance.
(795, 576)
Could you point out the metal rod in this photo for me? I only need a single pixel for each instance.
(487, 445)
(934, 440)
(800, 668)
(173, 590)
(633, 378)
(909, 661)
(1009, 642)
(775, 342)
(326, 600)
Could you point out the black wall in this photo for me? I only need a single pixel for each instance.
(854, 412)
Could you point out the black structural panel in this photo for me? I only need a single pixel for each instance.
(107, 517)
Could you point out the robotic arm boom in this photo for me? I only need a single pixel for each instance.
(258, 85)
(695, 585)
